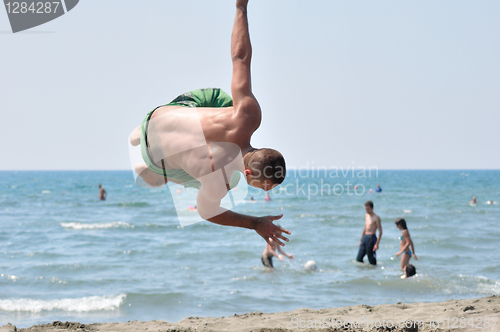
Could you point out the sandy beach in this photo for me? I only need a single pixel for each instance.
(453, 315)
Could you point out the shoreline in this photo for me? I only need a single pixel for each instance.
(451, 315)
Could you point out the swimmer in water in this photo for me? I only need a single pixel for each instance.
(379, 190)
(267, 198)
(410, 271)
(405, 243)
(102, 193)
(474, 201)
(369, 243)
(270, 251)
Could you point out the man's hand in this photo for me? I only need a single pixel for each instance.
(270, 231)
(375, 247)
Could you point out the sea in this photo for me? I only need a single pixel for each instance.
(65, 255)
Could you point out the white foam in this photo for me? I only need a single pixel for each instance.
(83, 304)
(407, 211)
(9, 276)
(80, 226)
(46, 191)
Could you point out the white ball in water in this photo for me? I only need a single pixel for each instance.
(311, 266)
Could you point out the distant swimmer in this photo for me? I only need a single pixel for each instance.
(251, 198)
(102, 193)
(473, 201)
(201, 139)
(369, 244)
(379, 190)
(270, 251)
(405, 242)
(410, 271)
(267, 198)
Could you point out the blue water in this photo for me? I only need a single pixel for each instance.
(65, 255)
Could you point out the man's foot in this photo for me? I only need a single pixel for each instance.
(135, 138)
(151, 178)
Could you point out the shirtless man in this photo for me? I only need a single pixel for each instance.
(202, 138)
(369, 243)
(102, 193)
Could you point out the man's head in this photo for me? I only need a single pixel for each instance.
(265, 168)
(369, 207)
(99, 186)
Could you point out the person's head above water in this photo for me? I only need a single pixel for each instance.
(369, 207)
(410, 271)
(401, 223)
(264, 168)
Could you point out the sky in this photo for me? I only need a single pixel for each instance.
(386, 83)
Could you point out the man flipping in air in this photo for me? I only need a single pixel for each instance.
(196, 140)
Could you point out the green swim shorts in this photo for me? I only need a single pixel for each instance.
(212, 97)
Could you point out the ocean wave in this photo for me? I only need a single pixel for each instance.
(83, 304)
(131, 204)
(80, 226)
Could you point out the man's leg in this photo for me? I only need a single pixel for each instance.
(150, 177)
(361, 251)
(369, 250)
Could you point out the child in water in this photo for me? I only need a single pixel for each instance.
(270, 251)
(404, 244)
(410, 271)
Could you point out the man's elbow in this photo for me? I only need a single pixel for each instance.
(207, 214)
(241, 55)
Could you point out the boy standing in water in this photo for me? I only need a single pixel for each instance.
(270, 251)
(369, 243)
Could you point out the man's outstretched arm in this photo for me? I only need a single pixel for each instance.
(241, 55)
(262, 225)
(212, 190)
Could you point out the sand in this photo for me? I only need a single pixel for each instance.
(452, 315)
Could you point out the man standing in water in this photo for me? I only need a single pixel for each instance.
(197, 141)
(369, 243)
(102, 193)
